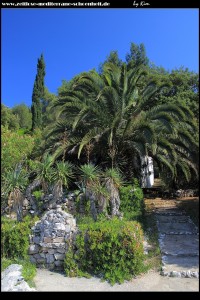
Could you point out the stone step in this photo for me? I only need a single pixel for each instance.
(180, 266)
(180, 263)
(173, 219)
(169, 212)
(180, 233)
(179, 245)
(176, 228)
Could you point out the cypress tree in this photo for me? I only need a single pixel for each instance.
(38, 94)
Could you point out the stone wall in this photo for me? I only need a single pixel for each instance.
(50, 239)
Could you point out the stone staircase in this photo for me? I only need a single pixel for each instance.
(178, 240)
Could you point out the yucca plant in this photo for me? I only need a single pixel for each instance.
(15, 182)
(62, 174)
(43, 179)
(101, 196)
(113, 181)
(89, 175)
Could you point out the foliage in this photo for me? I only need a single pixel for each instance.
(8, 119)
(89, 173)
(28, 271)
(47, 102)
(184, 87)
(15, 237)
(137, 55)
(14, 183)
(44, 171)
(63, 173)
(37, 135)
(38, 95)
(113, 57)
(111, 249)
(83, 219)
(83, 204)
(38, 195)
(71, 267)
(15, 148)
(114, 115)
(132, 201)
(115, 175)
(23, 113)
(15, 179)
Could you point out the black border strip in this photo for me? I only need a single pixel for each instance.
(134, 4)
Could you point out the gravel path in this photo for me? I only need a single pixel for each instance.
(50, 281)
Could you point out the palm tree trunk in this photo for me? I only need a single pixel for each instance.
(90, 195)
(81, 206)
(101, 204)
(57, 192)
(18, 200)
(36, 183)
(114, 198)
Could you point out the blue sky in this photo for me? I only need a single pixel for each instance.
(76, 40)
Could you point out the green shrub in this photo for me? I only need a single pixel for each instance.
(15, 237)
(85, 203)
(15, 148)
(38, 195)
(111, 249)
(84, 219)
(28, 270)
(132, 201)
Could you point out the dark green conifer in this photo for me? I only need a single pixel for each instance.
(38, 94)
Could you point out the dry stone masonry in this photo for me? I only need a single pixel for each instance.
(51, 237)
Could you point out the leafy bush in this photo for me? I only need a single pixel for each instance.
(15, 237)
(15, 148)
(132, 201)
(38, 196)
(111, 249)
(28, 270)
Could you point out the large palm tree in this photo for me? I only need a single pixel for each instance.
(113, 112)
